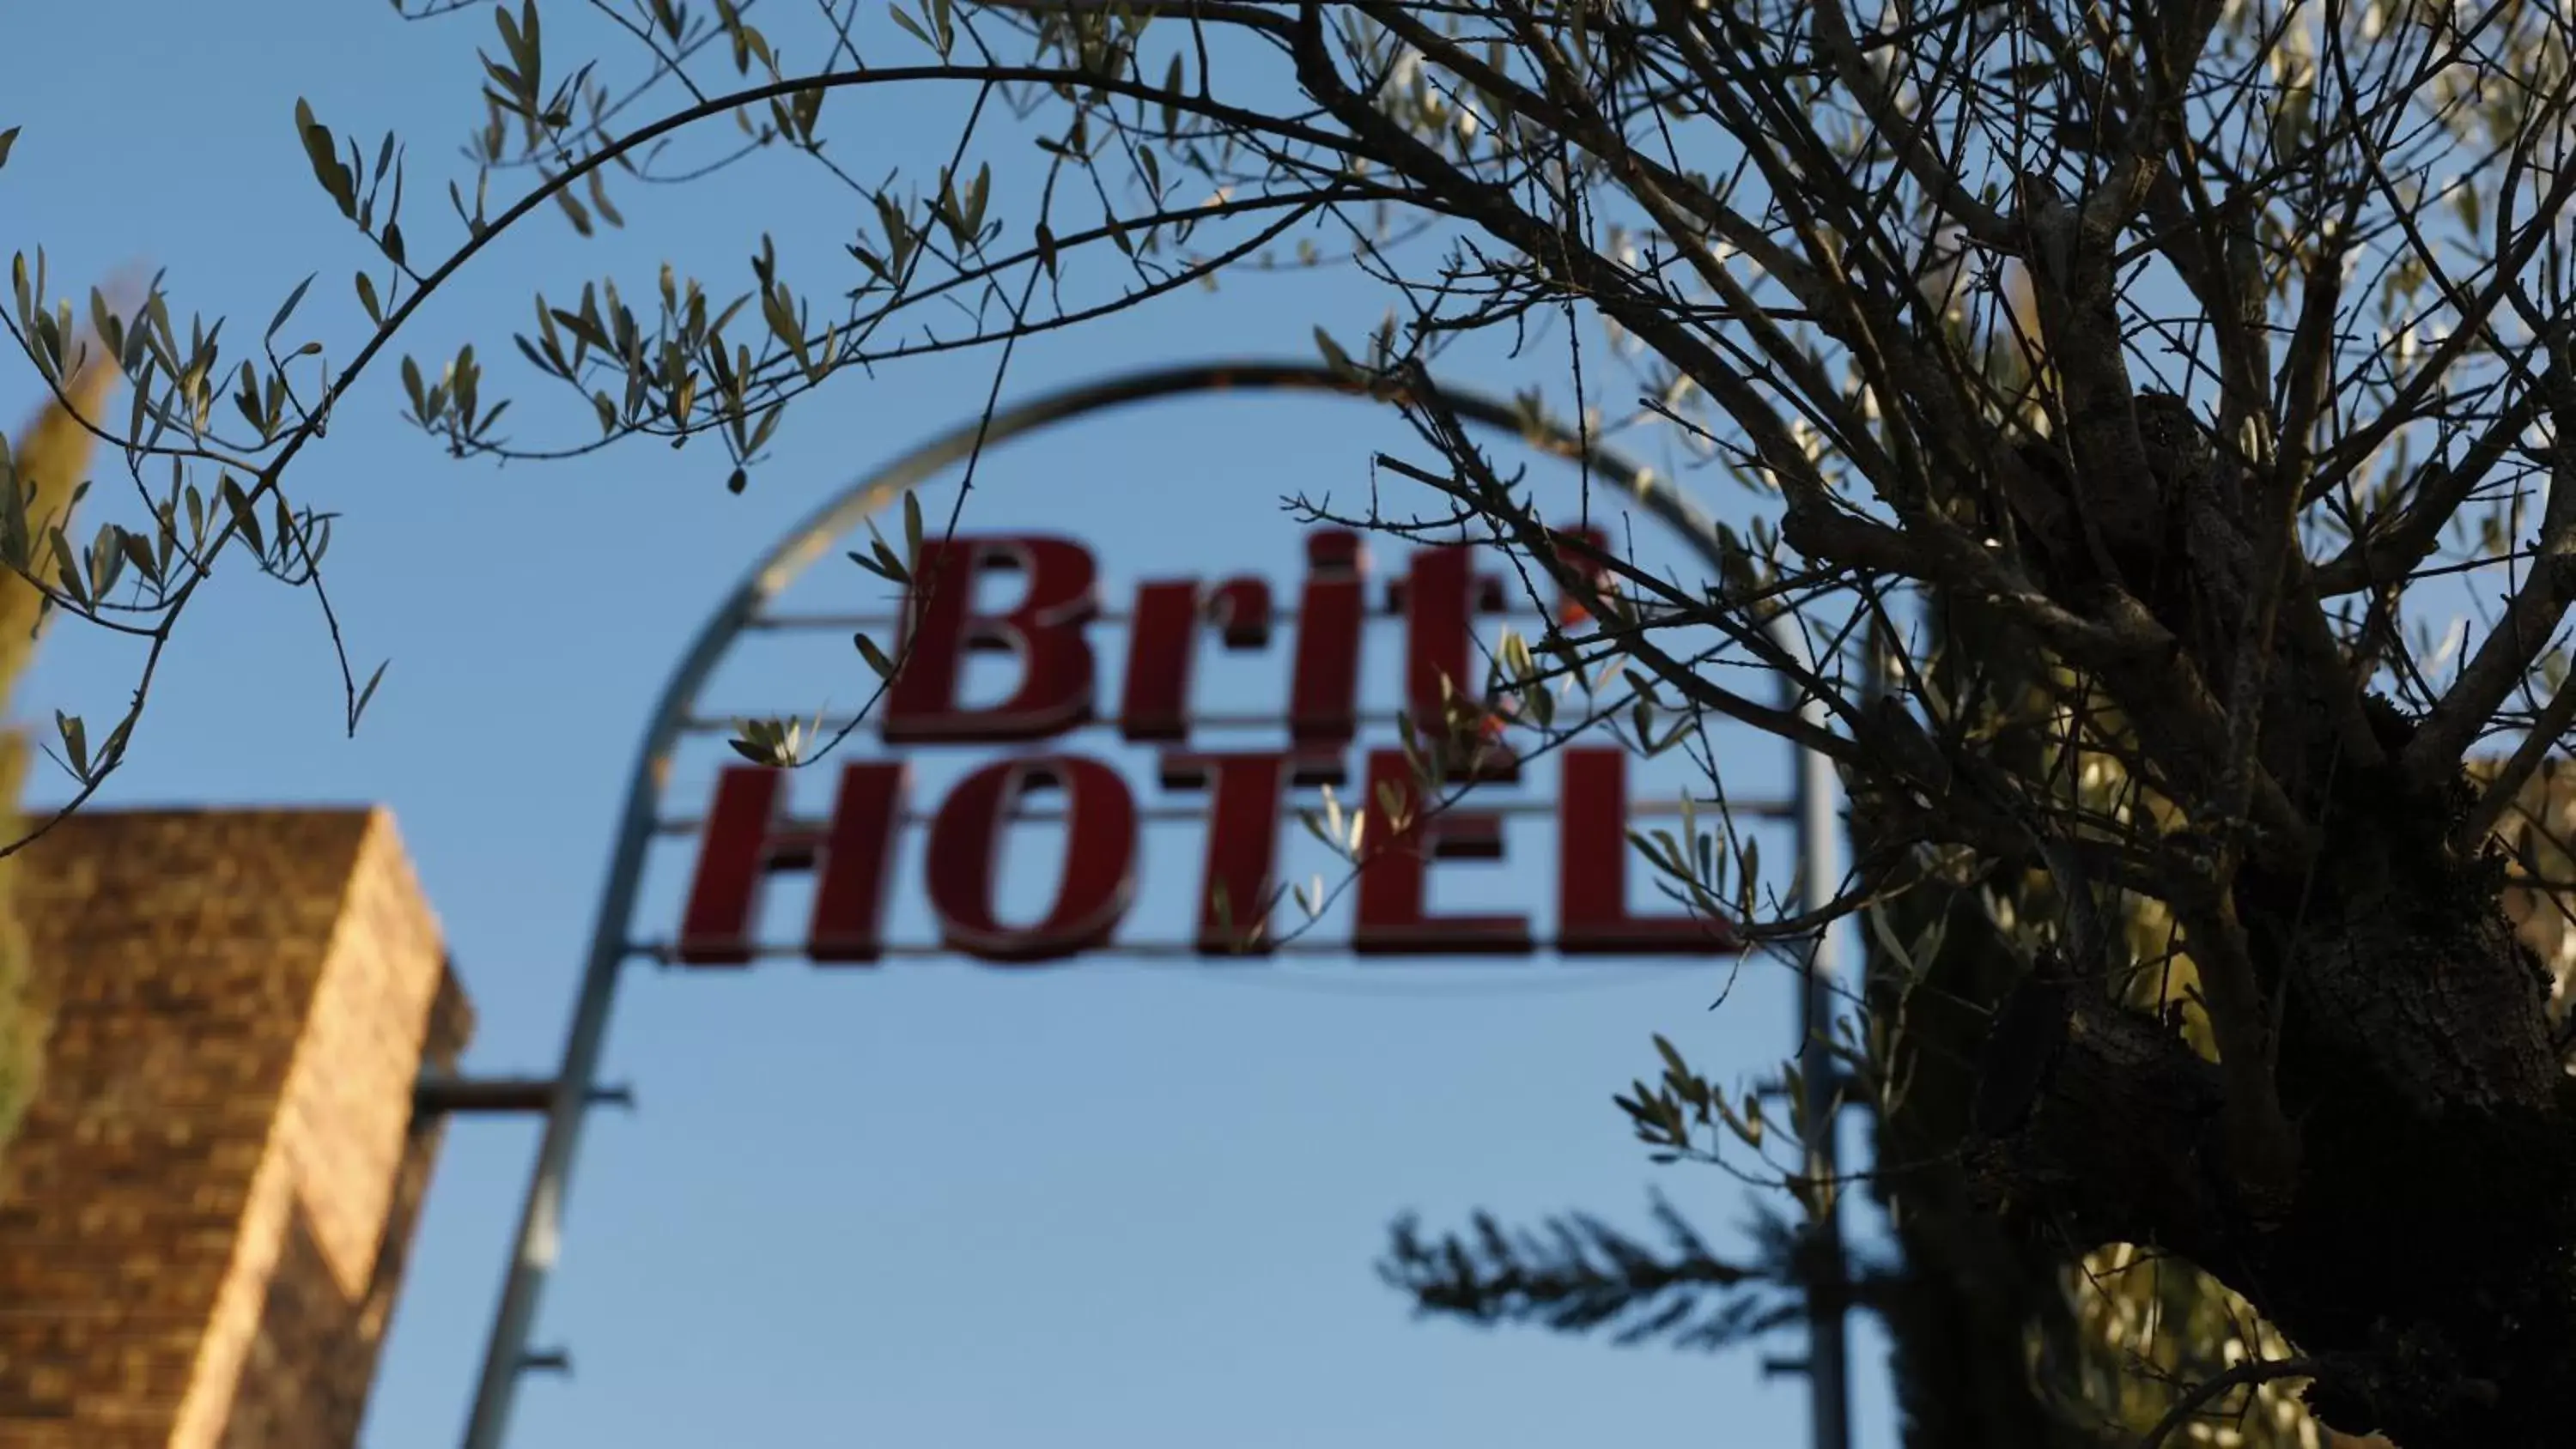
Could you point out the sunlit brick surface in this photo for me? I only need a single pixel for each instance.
(202, 1227)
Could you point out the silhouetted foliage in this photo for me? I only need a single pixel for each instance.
(2123, 396)
(1576, 1274)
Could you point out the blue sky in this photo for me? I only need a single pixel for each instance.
(933, 1205)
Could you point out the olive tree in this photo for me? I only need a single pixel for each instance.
(2123, 393)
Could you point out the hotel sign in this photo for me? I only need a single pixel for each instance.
(1416, 768)
(1045, 621)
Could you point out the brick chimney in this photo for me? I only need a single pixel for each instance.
(204, 1220)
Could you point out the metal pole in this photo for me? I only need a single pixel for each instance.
(574, 1085)
(1820, 870)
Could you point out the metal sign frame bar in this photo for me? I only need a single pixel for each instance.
(574, 1089)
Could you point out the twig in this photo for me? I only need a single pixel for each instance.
(2253, 1371)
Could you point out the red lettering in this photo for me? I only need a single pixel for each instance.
(1396, 866)
(1446, 703)
(736, 849)
(1045, 630)
(1161, 648)
(1437, 633)
(1570, 608)
(1241, 608)
(1099, 879)
(1242, 845)
(743, 844)
(1323, 696)
(1592, 871)
(858, 850)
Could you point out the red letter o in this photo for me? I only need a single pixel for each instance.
(1099, 869)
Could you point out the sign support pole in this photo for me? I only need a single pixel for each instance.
(574, 1089)
(1828, 1364)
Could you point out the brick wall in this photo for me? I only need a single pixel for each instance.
(203, 1223)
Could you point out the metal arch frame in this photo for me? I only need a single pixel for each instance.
(573, 1089)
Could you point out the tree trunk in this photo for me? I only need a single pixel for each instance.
(2427, 1261)
(1969, 1297)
